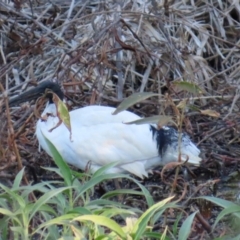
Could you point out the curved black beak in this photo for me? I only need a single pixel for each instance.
(37, 92)
(29, 95)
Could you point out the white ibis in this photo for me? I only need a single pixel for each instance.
(99, 138)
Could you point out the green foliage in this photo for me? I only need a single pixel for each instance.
(18, 209)
(185, 229)
(141, 224)
(230, 213)
(66, 209)
(133, 99)
(188, 86)
(161, 120)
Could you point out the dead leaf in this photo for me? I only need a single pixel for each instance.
(211, 113)
(182, 104)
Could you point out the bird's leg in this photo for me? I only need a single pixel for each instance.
(116, 182)
(117, 186)
(88, 167)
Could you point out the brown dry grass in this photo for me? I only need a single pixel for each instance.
(103, 51)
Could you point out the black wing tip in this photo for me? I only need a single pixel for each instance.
(168, 136)
(162, 138)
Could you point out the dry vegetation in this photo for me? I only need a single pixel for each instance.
(102, 51)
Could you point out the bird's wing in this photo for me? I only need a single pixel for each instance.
(102, 143)
(94, 115)
(101, 138)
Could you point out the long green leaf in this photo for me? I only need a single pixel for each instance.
(222, 203)
(133, 99)
(64, 168)
(158, 119)
(235, 238)
(57, 221)
(26, 190)
(104, 237)
(19, 199)
(44, 198)
(226, 211)
(6, 212)
(120, 192)
(48, 209)
(18, 230)
(112, 212)
(96, 180)
(4, 227)
(141, 224)
(154, 235)
(158, 214)
(80, 211)
(103, 169)
(103, 221)
(185, 229)
(103, 202)
(18, 179)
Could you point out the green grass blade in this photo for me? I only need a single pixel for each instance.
(222, 203)
(62, 165)
(6, 212)
(154, 235)
(185, 229)
(106, 203)
(103, 221)
(229, 210)
(62, 220)
(96, 180)
(103, 169)
(14, 196)
(43, 199)
(109, 213)
(80, 211)
(160, 120)
(120, 192)
(141, 224)
(18, 179)
(133, 99)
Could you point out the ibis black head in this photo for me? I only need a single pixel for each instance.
(37, 92)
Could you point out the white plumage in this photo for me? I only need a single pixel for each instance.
(98, 138)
